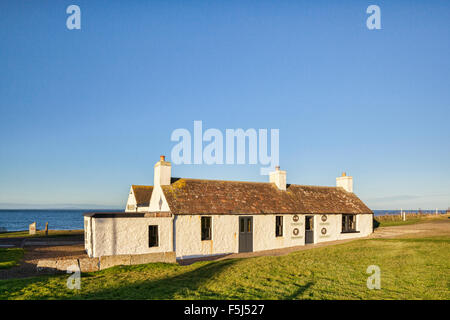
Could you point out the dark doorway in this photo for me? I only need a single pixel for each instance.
(309, 229)
(245, 234)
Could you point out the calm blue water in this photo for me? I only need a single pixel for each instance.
(16, 220)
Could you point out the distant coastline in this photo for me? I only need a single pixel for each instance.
(58, 219)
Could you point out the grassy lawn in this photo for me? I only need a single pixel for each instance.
(410, 269)
(400, 223)
(41, 233)
(390, 221)
(10, 257)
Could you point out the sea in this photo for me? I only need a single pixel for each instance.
(63, 219)
(18, 220)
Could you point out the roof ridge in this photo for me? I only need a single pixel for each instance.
(308, 185)
(259, 182)
(218, 180)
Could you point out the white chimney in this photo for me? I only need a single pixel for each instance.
(163, 173)
(279, 178)
(345, 182)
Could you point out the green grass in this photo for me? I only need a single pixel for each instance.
(10, 257)
(410, 269)
(40, 233)
(391, 221)
(400, 223)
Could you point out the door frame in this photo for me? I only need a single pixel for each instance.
(311, 235)
(245, 236)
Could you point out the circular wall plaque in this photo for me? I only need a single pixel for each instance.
(324, 230)
(295, 231)
(324, 218)
(295, 218)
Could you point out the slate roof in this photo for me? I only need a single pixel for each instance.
(197, 196)
(142, 194)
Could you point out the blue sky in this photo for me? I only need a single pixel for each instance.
(86, 113)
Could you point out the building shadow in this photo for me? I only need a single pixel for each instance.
(188, 261)
(299, 292)
(376, 224)
(167, 288)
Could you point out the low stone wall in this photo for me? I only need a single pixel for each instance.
(132, 259)
(104, 262)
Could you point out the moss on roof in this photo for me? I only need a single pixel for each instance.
(198, 196)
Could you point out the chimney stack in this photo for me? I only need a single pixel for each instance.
(279, 178)
(163, 171)
(345, 182)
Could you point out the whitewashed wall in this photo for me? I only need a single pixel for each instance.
(225, 233)
(157, 195)
(88, 236)
(264, 232)
(130, 235)
(225, 236)
(114, 236)
(333, 226)
(131, 201)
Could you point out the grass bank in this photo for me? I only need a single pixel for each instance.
(410, 269)
(10, 257)
(396, 220)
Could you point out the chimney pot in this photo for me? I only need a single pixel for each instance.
(345, 182)
(279, 178)
(162, 173)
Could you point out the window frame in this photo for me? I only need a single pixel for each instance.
(153, 236)
(206, 230)
(345, 226)
(278, 226)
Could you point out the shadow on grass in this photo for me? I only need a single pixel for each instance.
(376, 223)
(299, 292)
(184, 285)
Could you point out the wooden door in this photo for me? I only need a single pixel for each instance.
(245, 234)
(309, 229)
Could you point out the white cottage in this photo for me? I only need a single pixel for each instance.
(197, 218)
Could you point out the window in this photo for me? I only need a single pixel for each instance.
(348, 223)
(278, 226)
(206, 228)
(153, 236)
(309, 223)
(131, 207)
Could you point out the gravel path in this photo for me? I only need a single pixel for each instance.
(61, 248)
